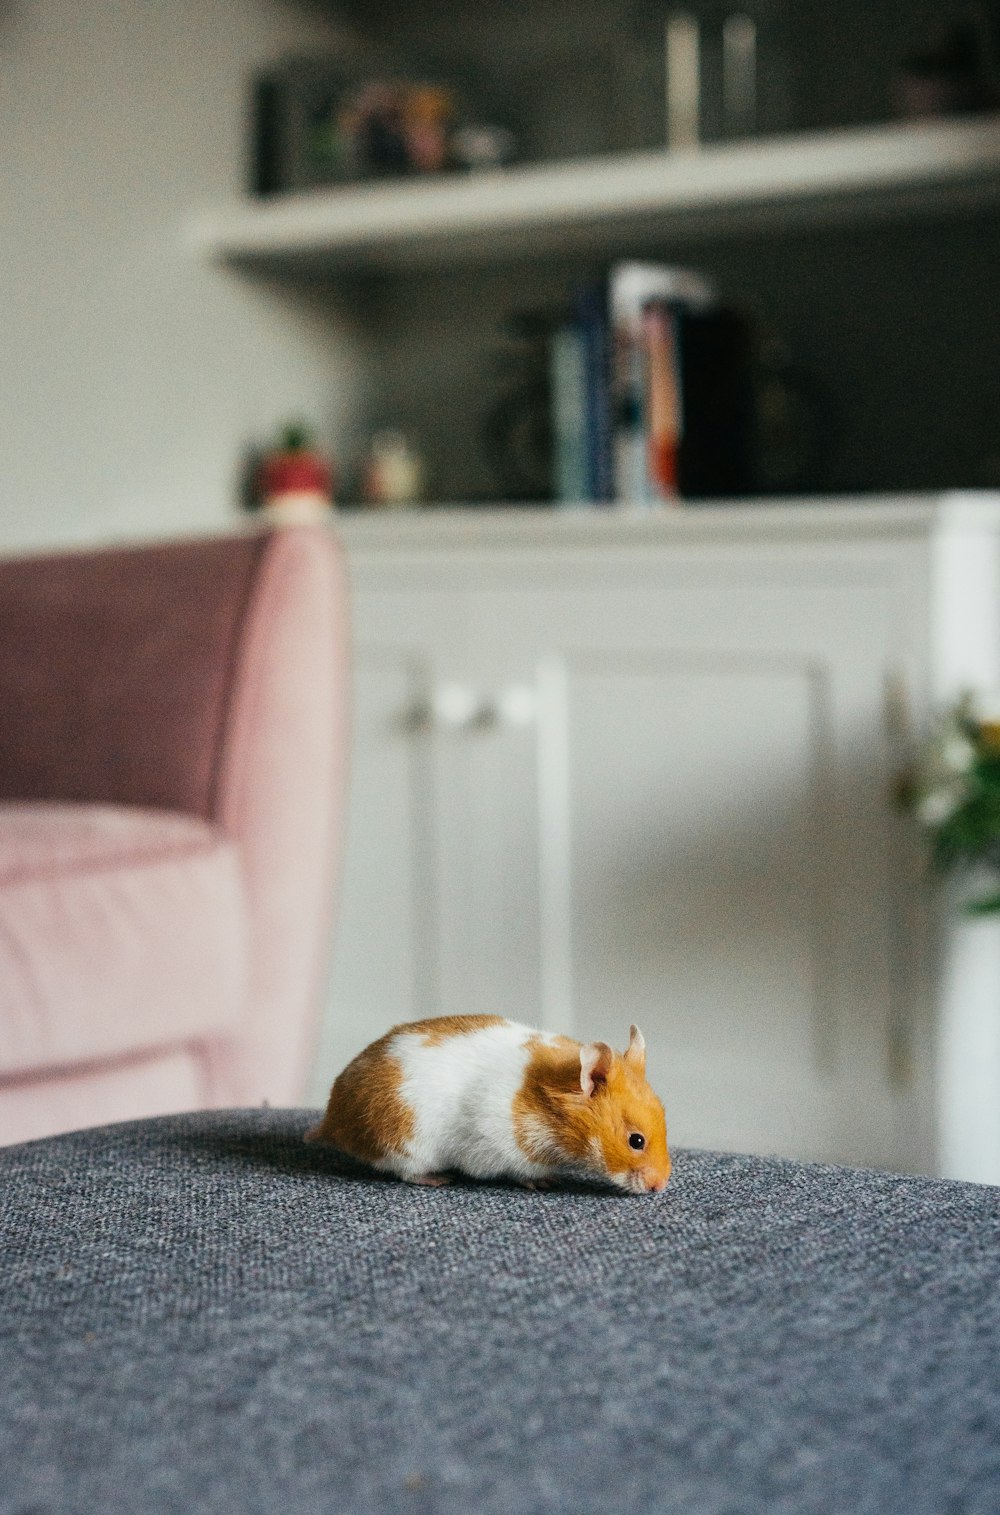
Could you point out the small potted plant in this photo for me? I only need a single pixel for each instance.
(295, 480)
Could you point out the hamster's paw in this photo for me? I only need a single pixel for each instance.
(429, 1180)
(538, 1183)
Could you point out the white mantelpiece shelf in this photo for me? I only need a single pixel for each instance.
(592, 203)
(860, 518)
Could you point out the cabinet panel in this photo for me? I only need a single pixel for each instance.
(716, 845)
(489, 879)
(388, 954)
(383, 961)
(439, 911)
(693, 793)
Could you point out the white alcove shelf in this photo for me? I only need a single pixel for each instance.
(585, 204)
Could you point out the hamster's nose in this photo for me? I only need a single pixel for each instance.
(655, 1183)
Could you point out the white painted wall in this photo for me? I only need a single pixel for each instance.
(132, 378)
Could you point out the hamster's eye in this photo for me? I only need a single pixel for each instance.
(636, 1141)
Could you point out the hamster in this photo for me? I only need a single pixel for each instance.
(487, 1097)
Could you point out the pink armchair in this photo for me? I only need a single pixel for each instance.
(172, 756)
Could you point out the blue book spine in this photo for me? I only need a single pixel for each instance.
(568, 378)
(592, 315)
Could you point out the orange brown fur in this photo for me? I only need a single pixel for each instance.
(366, 1115)
(441, 1027)
(549, 1091)
(552, 1114)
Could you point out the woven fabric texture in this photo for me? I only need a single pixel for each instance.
(200, 1313)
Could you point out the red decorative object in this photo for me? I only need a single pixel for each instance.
(296, 475)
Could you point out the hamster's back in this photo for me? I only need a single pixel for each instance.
(431, 1095)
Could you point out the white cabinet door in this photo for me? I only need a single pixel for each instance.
(715, 846)
(387, 955)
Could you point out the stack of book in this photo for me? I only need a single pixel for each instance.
(652, 391)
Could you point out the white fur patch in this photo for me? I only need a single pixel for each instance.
(461, 1091)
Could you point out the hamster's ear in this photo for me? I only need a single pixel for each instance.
(595, 1065)
(635, 1054)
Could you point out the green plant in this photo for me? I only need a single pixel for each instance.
(954, 792)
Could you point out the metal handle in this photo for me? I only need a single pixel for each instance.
(457, 707)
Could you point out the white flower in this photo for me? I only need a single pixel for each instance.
(937, 805)
(956, 753)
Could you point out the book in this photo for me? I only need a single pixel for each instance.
(717, 457)
(664, 416)
(568, 382)
(593, 320)
(646, 303)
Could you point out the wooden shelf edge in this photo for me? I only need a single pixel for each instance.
(454, 213)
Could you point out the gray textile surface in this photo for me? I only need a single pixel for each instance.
(201, 1313)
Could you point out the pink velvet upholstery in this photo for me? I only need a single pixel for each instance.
(172, 743)
(155, 894)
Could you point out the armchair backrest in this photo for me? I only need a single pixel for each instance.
(116, 671)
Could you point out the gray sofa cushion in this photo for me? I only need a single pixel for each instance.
(201, 1313)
